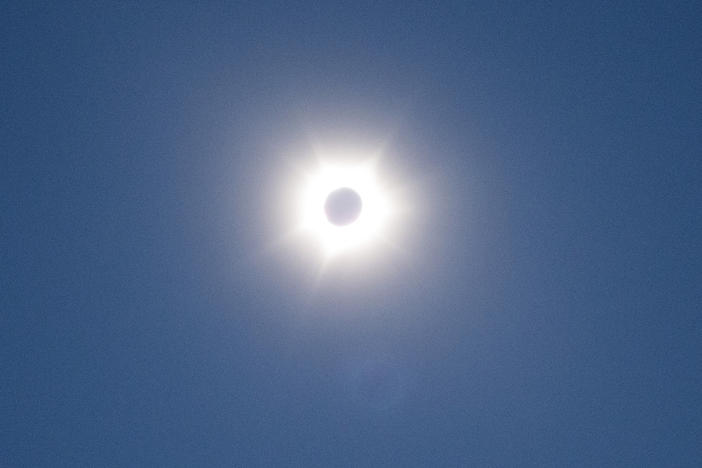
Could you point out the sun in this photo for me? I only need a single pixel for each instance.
(343, 206)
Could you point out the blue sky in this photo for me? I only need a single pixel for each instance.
(544, 312)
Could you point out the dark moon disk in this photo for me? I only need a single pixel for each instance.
(343, 206)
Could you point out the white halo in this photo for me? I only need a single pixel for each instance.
(372, 220)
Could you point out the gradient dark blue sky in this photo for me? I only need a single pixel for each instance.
(546, 312)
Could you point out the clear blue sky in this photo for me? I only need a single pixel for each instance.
(552, 313)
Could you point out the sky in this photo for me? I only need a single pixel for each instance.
(540, 304)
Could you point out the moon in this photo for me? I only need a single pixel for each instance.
(343, 206)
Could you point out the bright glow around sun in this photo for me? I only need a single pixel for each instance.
(375, 212)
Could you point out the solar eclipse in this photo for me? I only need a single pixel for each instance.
(342, 205)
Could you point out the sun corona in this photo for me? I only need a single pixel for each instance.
(343, 206)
